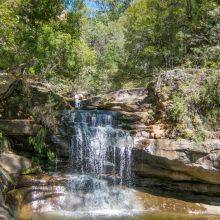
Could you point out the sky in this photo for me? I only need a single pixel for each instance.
(91, 4)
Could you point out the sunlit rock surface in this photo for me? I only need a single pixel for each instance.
(189, 166)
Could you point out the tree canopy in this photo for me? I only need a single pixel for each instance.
(119, 44)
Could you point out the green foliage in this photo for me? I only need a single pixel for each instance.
(198, 136)
(41, 149)
(35, 12)
(192, 98)
(210, 100)
(3, 142)
(35, 40)
(113, 8)
(122, 44)
(39, 141)
(51, 155)
(171, 33)
(35, 170)
(55, 52)
(8, 31)
(179, 110)
(100, 61)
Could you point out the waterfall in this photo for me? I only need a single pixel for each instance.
(99, 175)
(98, 147)
(77, 101)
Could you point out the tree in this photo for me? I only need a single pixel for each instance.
(166, 34)
(8, 30)
(114, 8)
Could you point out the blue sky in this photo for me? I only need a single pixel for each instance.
(91, 4)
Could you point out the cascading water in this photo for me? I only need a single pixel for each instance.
(100, 156)
(98, 147)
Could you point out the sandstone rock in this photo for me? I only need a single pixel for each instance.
(28, 200)
(5, 212)
(182, 189)
(5, 183)
(36, 192)
(156, 131)
(41, 180)
(19, 127)
(7, 83)
(128, 95)
(62, 145)
(42, 94)
(128, 100)
(179, 160)
(14, 164)
(11, 167)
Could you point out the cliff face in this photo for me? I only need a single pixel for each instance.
(161, 150)
(164, 158)
(25, 108)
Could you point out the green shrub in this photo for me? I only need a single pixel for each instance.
(4, 144)
(41, 148)
(179, 110)
(39, 141)
(192, 100)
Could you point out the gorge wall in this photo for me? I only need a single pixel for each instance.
(164, 162)
(180, 164)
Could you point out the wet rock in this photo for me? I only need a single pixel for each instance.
(41, 180)
(34, 192)
(6, 213)
(173, 205)
(62, 145)
(180, 188)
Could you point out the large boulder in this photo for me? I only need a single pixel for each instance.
(128, 100)
(14, 164)
(181, 161)
(11, 168)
